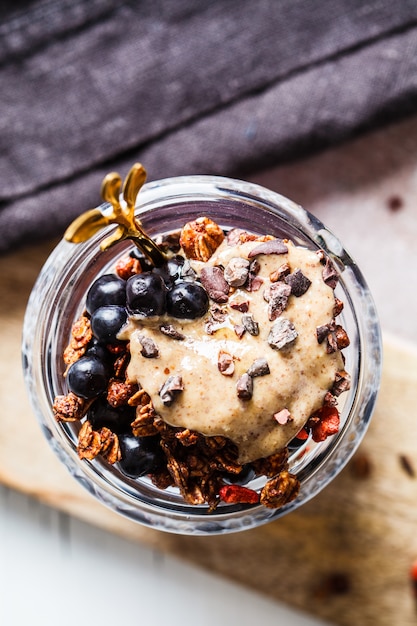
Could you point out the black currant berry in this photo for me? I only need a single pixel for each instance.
(140, 455)
(117, 419)
(108, 289)
(88, 377)
(146, 295)
(107, 321)
(187, 300)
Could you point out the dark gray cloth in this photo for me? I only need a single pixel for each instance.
(221, 87)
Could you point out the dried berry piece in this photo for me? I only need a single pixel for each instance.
(280, 490)
(237, 494)
(170, 389)
(200, 238)
(324, 422)
(273, 246)
(214, 282)
(298, 282)
(282, 333)
(244, 387)
(128, 266)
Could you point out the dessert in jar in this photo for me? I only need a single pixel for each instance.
(206, 362)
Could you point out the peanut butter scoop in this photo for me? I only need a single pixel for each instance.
(252, 369)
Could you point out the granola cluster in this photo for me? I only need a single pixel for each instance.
(205, 469)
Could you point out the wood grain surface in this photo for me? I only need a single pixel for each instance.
(345, 556)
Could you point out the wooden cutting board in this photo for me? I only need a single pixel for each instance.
(344, 556)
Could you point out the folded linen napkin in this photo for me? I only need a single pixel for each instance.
(222, 87)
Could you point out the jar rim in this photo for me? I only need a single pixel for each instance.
(69, 267)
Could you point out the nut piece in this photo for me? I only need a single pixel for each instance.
(81, 335)
(91, 443)
(128, 266)
(201, 238)
(273, 246)
(280, 490)
(119, 392)
(70, 408)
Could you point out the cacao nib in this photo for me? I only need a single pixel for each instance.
(170, 389)
(149, 348)
(170, 331)
(282, 333)
(213, 281)
(259, 367)
(250, 325)
(298, 282)
(273, 246)
(277, 296)
(244, 387)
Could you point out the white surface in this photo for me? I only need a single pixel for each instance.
(58, 571)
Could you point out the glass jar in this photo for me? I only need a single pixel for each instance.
(58, 299)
